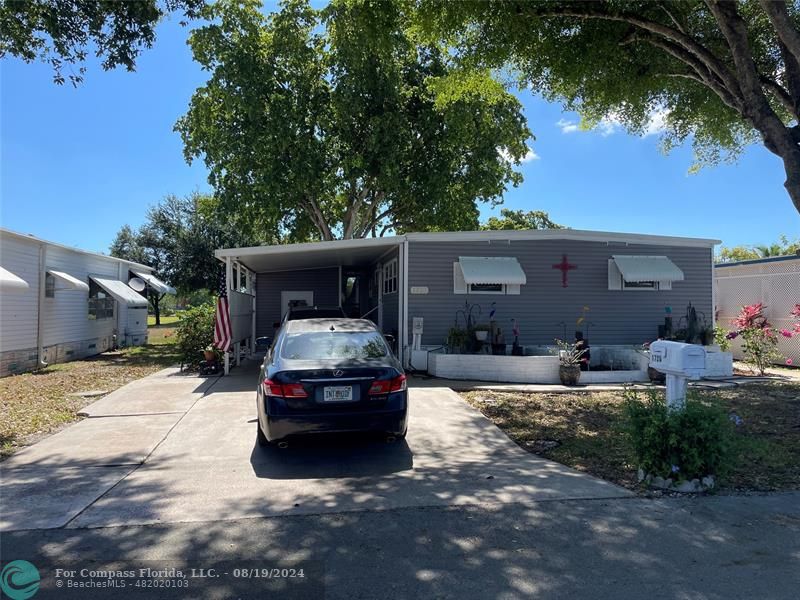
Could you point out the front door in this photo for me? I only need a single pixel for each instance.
(301, 298)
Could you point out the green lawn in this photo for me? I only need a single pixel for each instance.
(151, 320)
(582, 430)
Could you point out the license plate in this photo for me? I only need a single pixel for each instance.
(343, 393)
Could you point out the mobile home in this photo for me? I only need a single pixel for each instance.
(59, 303)
(538, 284)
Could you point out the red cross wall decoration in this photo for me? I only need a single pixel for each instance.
(565, 267)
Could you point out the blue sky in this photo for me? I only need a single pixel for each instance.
(78, 163)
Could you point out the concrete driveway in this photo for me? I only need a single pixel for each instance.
(172, 448)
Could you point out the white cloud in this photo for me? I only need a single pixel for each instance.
(568, 126)
(529, 155)
(611, 124)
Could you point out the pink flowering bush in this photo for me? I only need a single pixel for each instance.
(759, 337)
(796, 314)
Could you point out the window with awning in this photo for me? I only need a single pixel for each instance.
(11, 283)
(64, 281)
(642, 273)
(487, 275)
(120, 291)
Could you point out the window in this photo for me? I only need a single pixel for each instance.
(101, 305)
(338, 345)
(49, 286)
(390, 277)
(487, 288)
(640, 285)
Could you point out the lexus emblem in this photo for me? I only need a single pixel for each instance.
(338, 373)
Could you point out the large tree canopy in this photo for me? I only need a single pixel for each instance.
(723, 72)
(327, 124)
(62, 33)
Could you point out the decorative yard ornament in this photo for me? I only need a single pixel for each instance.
(564, 266)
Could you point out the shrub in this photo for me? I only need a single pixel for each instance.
(682, 444)
(195, 333)
(759, 337)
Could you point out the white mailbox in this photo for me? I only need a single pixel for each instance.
(688, 360)
(679, 362)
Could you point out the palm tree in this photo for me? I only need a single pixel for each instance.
(771, 250)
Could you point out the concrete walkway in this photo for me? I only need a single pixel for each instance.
(172, 448)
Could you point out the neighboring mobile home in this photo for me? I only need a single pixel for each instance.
(59, 303)
(775, 282)
(415, 286)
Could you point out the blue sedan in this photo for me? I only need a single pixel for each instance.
(330, 375)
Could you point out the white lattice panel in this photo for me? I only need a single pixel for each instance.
(775, 284)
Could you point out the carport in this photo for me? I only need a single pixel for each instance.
(363, 276)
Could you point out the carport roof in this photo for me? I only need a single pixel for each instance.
(360, 251)
(311, 255)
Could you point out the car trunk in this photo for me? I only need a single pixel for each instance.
(337, 388)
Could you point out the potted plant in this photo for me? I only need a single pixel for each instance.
(457, 340)
(569, 362)
(481, 332)
(210, 353)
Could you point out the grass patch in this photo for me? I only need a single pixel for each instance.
(171, 320)
(34, 404)
(586, 429)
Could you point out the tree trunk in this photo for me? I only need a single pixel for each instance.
(777, 137)
(155, 302)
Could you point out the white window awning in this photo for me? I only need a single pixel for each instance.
(11, 283)
(65, 281)
(647, 268)
(492, 269)
(120, 291)
(154, 282)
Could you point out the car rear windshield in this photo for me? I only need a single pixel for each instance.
(322, 345)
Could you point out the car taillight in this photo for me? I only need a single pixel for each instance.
(294, 390)
(386, 386)
(398, 384)
(284, 390)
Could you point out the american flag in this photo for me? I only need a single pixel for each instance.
(222, 318)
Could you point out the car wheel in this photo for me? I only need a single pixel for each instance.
(260, 437)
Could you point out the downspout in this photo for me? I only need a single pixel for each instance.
(40, 312)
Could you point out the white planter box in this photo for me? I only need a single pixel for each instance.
(718, 364)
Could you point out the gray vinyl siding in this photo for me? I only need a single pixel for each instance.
(323, 282)
(616, 316)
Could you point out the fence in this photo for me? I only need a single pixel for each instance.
(773, 282)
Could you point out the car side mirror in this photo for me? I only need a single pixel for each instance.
(389, 338)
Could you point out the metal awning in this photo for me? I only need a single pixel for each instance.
(154, 282)
(11, 283)
(68, 282)
(492, 269)
(647, 268)
(120, 291)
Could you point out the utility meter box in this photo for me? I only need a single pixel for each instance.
(416, 325)
(677, 358)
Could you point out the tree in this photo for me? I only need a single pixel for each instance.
(518, 219)
(178, 239)
(783, 247)
(722, 72)
(61, 33)
(327, 124)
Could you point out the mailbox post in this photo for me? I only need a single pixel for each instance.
(679, 362)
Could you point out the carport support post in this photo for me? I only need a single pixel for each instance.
(228, 277)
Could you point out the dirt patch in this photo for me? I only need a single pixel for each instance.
(39, 403)
(582, 431)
